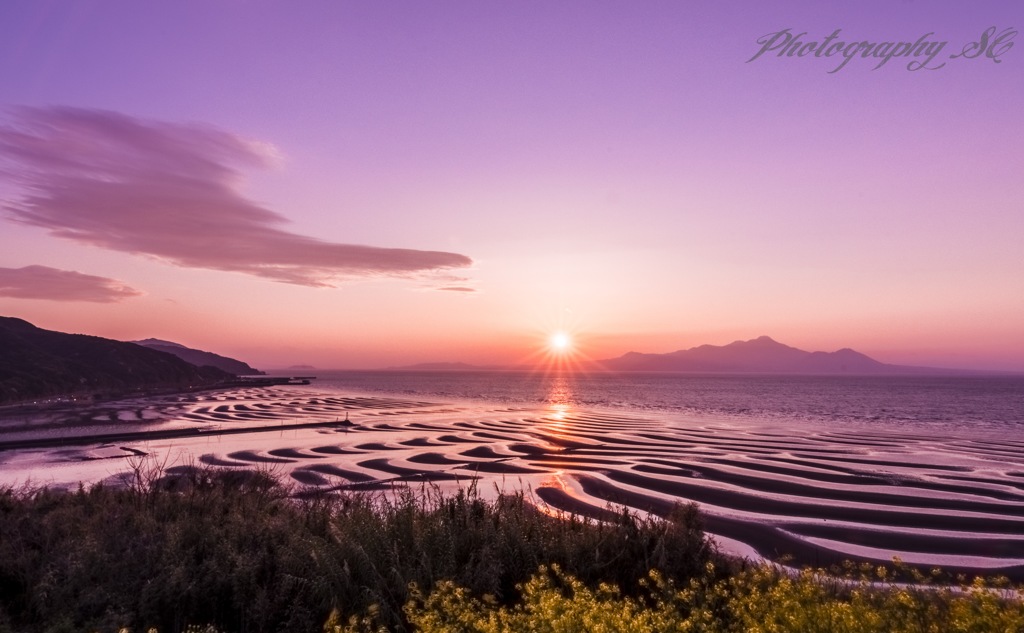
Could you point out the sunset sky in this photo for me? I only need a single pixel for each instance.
(358, 185)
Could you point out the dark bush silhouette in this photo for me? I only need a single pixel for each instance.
(247, 554)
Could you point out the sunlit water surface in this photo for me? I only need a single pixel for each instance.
(930, 469)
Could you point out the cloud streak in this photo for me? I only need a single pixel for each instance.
(43, 282)
(171, 191)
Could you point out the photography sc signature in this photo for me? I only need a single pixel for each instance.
(923, 54)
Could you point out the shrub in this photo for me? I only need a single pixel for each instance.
(761, 599)
(244, 553)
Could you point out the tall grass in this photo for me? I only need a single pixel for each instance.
(246, 554)
(238, 552)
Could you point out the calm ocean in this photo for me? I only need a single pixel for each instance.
(990, 403)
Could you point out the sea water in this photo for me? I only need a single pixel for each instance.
(930, 469)
(988, 404)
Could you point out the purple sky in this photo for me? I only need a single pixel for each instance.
(365, 184)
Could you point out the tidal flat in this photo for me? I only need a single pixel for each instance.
(804, 493)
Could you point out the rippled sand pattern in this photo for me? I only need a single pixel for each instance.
(816, 494)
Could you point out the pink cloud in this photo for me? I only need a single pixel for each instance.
(43, 282)
(457, 289)
(171, 191)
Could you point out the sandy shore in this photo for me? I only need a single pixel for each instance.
(818, 495)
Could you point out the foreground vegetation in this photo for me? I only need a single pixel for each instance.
(754, 600)
(239, 552)
(244, 553)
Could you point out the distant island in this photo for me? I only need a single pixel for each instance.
(200, 358)
(38, 364)
(762, 355)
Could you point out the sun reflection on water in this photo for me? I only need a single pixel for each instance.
(558, 411)
(560, 396)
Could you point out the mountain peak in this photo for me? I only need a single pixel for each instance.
(14, 323)
(200, 358)
(759, 355)
(40, 364)
(150, 342)
(761, 341)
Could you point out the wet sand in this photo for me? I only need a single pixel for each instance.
(816, 494)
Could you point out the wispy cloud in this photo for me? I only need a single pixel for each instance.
(457, 289)
(43, 282)
(171, 191)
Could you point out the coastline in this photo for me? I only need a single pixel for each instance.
(819, 497)
(78, 399)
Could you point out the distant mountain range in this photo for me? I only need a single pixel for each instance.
(762, 355)
(37, 363)
(199, 358)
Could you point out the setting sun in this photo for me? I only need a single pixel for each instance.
(560, 341)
